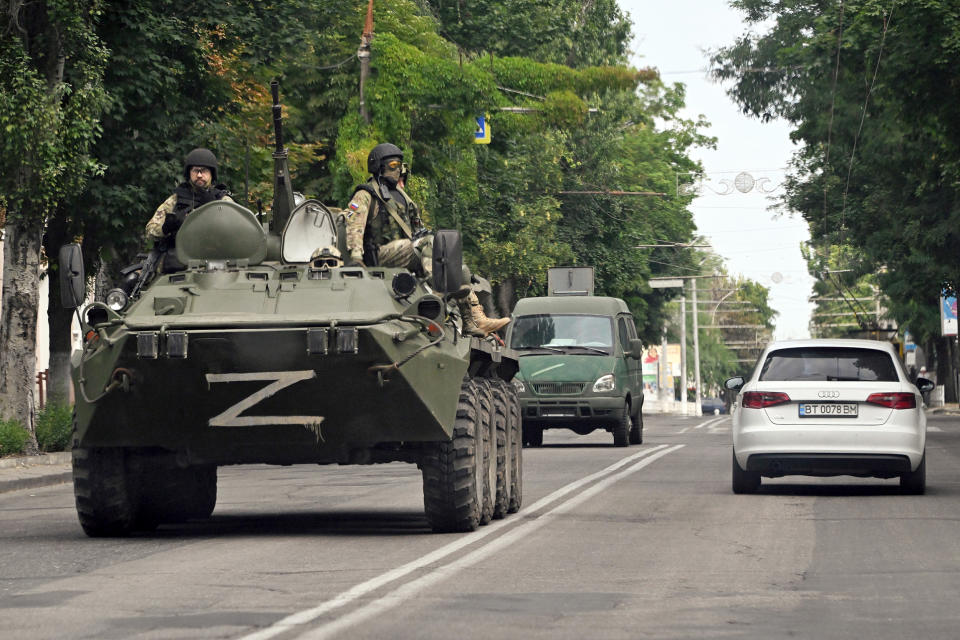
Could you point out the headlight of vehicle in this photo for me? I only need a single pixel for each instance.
(605, 384)
(518, 383)
(116, 299)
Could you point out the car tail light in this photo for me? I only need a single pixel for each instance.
(763, 399)
(893, 400)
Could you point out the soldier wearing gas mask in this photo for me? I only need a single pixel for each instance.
(384, 228)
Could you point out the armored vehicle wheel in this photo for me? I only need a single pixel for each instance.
(636, 431)
(621, 430)
(175, 494)
(489, 427)
(501, 503)
(106, 495)
(515, 451)
(533, 436)
(453, 471)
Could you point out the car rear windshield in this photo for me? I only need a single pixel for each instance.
(556, 330)
(829, 363)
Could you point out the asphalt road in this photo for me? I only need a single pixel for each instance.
(639, 542)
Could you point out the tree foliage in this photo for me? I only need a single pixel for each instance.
(870, 89)
(568, 117)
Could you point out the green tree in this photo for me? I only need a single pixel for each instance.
(51, 97)
(574, 33)
(868, 86)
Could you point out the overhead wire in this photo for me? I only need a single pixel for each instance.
(863, 116)
(833, 97)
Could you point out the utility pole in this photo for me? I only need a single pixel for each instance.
(363, 54)
(683, 349)
(697, 410)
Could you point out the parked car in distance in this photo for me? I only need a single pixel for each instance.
(828, 408)
(580, 367)
(711, 406)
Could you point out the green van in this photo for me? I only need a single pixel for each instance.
(580, 367)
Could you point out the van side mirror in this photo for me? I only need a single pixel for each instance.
(447, 261)
(735, 383)
(635, 348)
(73, 284)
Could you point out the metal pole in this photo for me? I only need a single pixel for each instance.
(363, 54)
(664, 397)
(697, 410)
(683, 349)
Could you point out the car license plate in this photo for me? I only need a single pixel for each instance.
(828, 409)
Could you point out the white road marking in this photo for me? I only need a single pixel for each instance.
(934, 429)
(308, 615)
(703, 424)
(410, 590)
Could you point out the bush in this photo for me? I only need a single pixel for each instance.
(13, 437)
(54, 427)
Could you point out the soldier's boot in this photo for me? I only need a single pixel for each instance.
(475, 321)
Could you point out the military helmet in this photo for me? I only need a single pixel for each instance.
(379, 152)
(200, 157)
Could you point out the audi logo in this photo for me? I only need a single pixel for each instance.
(828, 394)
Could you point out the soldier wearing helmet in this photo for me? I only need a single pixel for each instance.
(383, 223)
(384, 228)
(198, 187)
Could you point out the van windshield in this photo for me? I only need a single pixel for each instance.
(552, 331)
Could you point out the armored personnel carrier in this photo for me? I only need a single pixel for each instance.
(265, 349)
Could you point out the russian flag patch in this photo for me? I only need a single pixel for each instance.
(354, 206)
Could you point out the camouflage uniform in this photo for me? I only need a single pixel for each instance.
(155, 225)
(384, 228)
(375, 237)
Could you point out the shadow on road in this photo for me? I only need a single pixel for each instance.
(831, 490)
(338, 523)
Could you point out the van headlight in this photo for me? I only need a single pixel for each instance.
(518, 383)
(605, 384)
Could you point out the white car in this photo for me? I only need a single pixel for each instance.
(829, 408)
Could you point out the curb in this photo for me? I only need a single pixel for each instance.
(36, 482)
(16, 462)
(32, 472)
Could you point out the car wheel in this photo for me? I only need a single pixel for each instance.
(915, 482)
(744, 481)
(621, 430)
(533, 436)
(636, 431)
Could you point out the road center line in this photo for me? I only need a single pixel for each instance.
(409, 590)
(362, 589)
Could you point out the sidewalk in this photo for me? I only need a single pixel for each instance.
(31, 472)
(949, 409)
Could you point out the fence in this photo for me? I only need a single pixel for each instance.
(43, 379)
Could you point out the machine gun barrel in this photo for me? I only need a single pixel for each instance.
(148, 268)
(277, 115)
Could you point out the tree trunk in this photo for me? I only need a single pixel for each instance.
(18, 326)
(505, 297)
(946, 363)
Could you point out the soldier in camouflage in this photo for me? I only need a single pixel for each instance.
(200, 174)
(384, 228)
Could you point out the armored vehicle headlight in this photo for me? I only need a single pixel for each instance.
(605, 383)
(404, 284)
(518, 383)
(116, 299)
